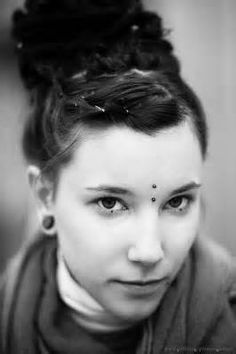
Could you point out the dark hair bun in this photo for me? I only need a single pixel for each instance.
(96, 36)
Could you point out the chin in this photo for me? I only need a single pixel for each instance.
(135, 311)
(134, 305)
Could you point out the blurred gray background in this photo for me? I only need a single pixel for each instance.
(204, 35)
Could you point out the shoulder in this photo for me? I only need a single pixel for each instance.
(29, 254)
(27, 257)
(214, 265)
(212, 305)
(19, 278)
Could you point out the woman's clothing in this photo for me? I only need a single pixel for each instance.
(198, 311)
(87, 312)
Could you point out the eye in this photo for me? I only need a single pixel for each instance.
(107, 203)
(111, 204)
(179, 203)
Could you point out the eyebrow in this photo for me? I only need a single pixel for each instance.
(109, 189)
(123, 191)
(186, 187)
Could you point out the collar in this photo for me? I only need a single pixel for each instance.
(86, 311)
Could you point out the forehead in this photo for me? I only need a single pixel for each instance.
(121, 156)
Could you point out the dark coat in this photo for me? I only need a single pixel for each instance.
(197, 314)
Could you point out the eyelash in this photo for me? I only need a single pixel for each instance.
(188, 198)
(111, 211)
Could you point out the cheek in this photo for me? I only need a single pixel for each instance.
(179, 237)
(88, 240)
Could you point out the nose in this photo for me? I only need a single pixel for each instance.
(147, 248)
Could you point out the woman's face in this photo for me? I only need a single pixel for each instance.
(123, 247)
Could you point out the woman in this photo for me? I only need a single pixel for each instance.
(116, 144)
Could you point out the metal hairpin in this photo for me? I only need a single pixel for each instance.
(80, 74)
(100, 108)
(19, 45)
(134, 28)
(126, 110)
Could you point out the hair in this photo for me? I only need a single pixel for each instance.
(95, 64)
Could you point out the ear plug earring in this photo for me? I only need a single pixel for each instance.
(48, 224)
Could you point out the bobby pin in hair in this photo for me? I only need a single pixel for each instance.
(80, 74)
(100, 108)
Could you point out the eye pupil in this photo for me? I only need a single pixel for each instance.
(175, 202)
(108, 203)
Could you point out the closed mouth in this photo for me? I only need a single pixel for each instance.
(140, 288)
(140, 283)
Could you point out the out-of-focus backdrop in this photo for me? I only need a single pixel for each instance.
(204, 35)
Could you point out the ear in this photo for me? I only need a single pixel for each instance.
(42, 189)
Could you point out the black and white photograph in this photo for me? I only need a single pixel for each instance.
(117, 176)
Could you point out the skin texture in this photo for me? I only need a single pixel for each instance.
(112, 237)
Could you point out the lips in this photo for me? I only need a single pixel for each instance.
(139, 288)
(140, 282)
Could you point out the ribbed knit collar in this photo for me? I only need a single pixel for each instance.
(86, 311)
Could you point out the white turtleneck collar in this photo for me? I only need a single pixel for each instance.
(85, 309)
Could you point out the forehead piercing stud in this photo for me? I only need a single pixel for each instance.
(154, 186)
